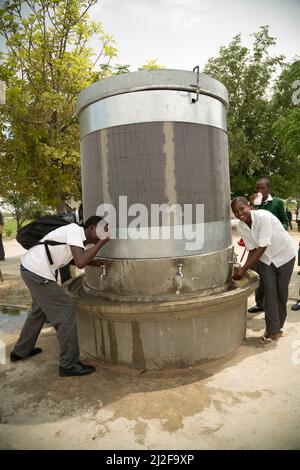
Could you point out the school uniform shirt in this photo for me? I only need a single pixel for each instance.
(275, 205)
(36, 260)
(266, 230)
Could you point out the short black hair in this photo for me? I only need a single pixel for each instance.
(93, 220)
(264, 181)
(239, 199)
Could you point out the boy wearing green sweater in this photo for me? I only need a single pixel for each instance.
(270, 203)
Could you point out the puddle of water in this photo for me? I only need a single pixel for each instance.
(12, 318)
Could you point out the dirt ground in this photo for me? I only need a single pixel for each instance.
(13, 290)
(249, 400)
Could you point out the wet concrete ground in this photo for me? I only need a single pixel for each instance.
(249, 400)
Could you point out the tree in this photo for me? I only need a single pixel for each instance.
(248, 77)
(47, 64)
(151, 64)
(286, 109)
(23, 208)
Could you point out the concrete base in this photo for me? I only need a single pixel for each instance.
(154, 280)
(163, 335)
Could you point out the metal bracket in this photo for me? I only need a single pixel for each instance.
(196, 69)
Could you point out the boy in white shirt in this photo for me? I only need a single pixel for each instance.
(271, 246)
(49, 302)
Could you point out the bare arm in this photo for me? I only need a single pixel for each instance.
(83, 257)
(253, 257)
(98, 263)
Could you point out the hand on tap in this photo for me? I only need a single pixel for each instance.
(238, 274)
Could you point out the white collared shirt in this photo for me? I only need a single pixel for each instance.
(269, 198)
(36, 260)
(267, 230)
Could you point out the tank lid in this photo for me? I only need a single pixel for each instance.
(152, 79)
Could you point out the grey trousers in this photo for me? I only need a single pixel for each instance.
(49, 302)
(260, 291)
(276, 288)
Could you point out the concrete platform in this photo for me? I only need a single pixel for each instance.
(162, 335)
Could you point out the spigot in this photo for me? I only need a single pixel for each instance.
(234, 258)
(103, 268)
(179, 278)
(234, 263)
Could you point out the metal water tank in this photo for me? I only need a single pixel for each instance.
(154, 138)
(158, 137)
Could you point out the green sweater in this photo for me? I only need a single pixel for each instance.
(276, 207)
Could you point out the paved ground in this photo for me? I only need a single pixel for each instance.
(248, 401)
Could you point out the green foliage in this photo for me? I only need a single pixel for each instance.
(255, 145)
(10, 228)
(23, 208)
(151, 64)
(287, 131)
(48, 62)
(287, 89)
(286, 125)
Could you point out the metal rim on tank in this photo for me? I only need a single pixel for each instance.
(152, 96)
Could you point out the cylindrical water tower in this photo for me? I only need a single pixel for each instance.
(157, 138)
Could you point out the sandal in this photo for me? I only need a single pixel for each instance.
(266, 335)
(269, 338)
(265, 340)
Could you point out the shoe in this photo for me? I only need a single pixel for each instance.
(269, 338)
(266, 334)
(77, 369)
(14, 357)
(255, 309)
(296, 306)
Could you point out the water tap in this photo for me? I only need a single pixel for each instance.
(234, 262)
(179, 278)
(103, 269)
(233, 259)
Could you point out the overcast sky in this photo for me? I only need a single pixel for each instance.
(184, 33)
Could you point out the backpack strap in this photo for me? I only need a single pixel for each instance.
(51, 243)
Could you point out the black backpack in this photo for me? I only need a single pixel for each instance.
(32, 233)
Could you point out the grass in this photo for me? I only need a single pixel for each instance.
(10, 227)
